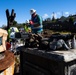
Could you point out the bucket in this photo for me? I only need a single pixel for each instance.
(7, 64)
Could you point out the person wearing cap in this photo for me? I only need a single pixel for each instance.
(36, 22)
(27, 26)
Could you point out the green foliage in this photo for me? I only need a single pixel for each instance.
(15, 23)
(71, 20)
(53, 18)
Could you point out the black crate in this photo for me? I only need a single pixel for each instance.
(39, 62)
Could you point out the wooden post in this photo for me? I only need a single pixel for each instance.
(10, 18)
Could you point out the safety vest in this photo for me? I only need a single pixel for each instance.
(9, 31)
(27, 29)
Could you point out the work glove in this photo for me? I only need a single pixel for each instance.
(31, 22)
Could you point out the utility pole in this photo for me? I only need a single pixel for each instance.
(62, 13)
(53, 18)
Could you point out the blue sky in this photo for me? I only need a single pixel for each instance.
(45, 8)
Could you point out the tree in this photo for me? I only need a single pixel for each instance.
(53, 17)
(71, 20)
(15, 23)
(48, 19)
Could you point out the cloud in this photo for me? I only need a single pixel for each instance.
(45, 16)
(58, 13)
(66, 13)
